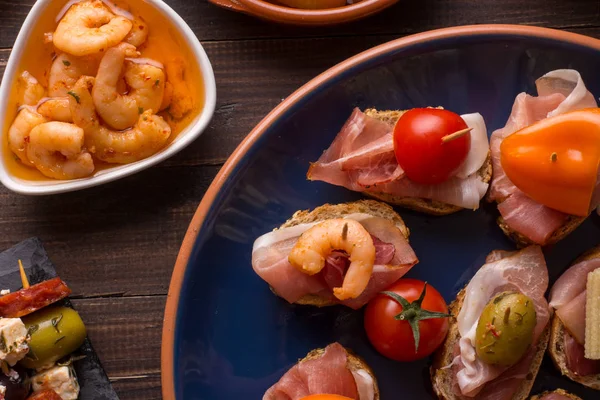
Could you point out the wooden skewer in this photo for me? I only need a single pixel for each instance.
(24, 279)
(456, 135)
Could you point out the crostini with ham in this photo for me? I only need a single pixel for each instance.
(558, 394)
(332, 373)
(499, 334)
(545, 161)
(569, 335)
(427, 159)
(335, 254)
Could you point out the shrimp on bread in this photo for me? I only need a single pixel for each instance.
(310, 258)
(501, 309)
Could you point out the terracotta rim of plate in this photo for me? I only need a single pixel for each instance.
(289, 15)
(168, 335)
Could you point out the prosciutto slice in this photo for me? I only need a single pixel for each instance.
(361, 155)
(568, 297)
(524, 271)
(394, 258)
(559, 91)
(576, 361)
(328, 374)
(362, 158)
(572, 282)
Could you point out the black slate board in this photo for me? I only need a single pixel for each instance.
(92, 378)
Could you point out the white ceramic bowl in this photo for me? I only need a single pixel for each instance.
(183, 139)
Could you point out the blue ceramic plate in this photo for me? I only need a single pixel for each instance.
(226, 336)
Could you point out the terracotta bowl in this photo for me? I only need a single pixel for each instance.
(296, 16)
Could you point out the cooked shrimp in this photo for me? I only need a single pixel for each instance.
(308, 255)
(167, 96)
(57, 150)
(65, 71)
(147, 136)
(56, 109)
(181, 102)
(138, 34)
(146, 84)
(32, 90)
(19, 131)
(89, 27)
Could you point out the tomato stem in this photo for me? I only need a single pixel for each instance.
(413, 313)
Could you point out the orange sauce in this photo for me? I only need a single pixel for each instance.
(164, 44)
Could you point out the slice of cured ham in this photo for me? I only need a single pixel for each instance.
(361, 155)
(576, 361)
(525, 272)
(559, 91)
(327, 374)
(572, 282)
(572, 316)
(394, 258)
(362, 158)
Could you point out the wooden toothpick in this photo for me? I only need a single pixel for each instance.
(24, 279)
(456, 135)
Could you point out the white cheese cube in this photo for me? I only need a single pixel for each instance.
(2, 390)
(4, 292)
(61, 379)
(13, 340)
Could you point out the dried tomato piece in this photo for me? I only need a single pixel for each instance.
(36, 297)
(46, 394)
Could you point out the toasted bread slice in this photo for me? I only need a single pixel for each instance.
(329, 211)
(557, 348)
(569, 226)
(354, 363)
(557, 391)
(418, 204)
(442, 379)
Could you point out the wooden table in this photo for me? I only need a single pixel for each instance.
(116, 245)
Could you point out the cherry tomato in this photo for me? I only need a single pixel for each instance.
(395, 338)
(419, 148)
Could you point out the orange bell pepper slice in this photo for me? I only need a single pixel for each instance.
(555, 161)
(313, 4)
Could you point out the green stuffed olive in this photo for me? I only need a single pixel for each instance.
(505, 329)
(55, 333)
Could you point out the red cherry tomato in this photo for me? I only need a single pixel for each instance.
(419, 148)
(395, 338)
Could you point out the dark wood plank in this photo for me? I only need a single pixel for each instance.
(145, 387)
(120, 238)
(213, 23)
(125, 332)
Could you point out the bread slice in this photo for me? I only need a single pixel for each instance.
(414, 203)
(354, 363)
(556, 347)
(522, 241)
(557, 391)
(329, 211)
(442, 378)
